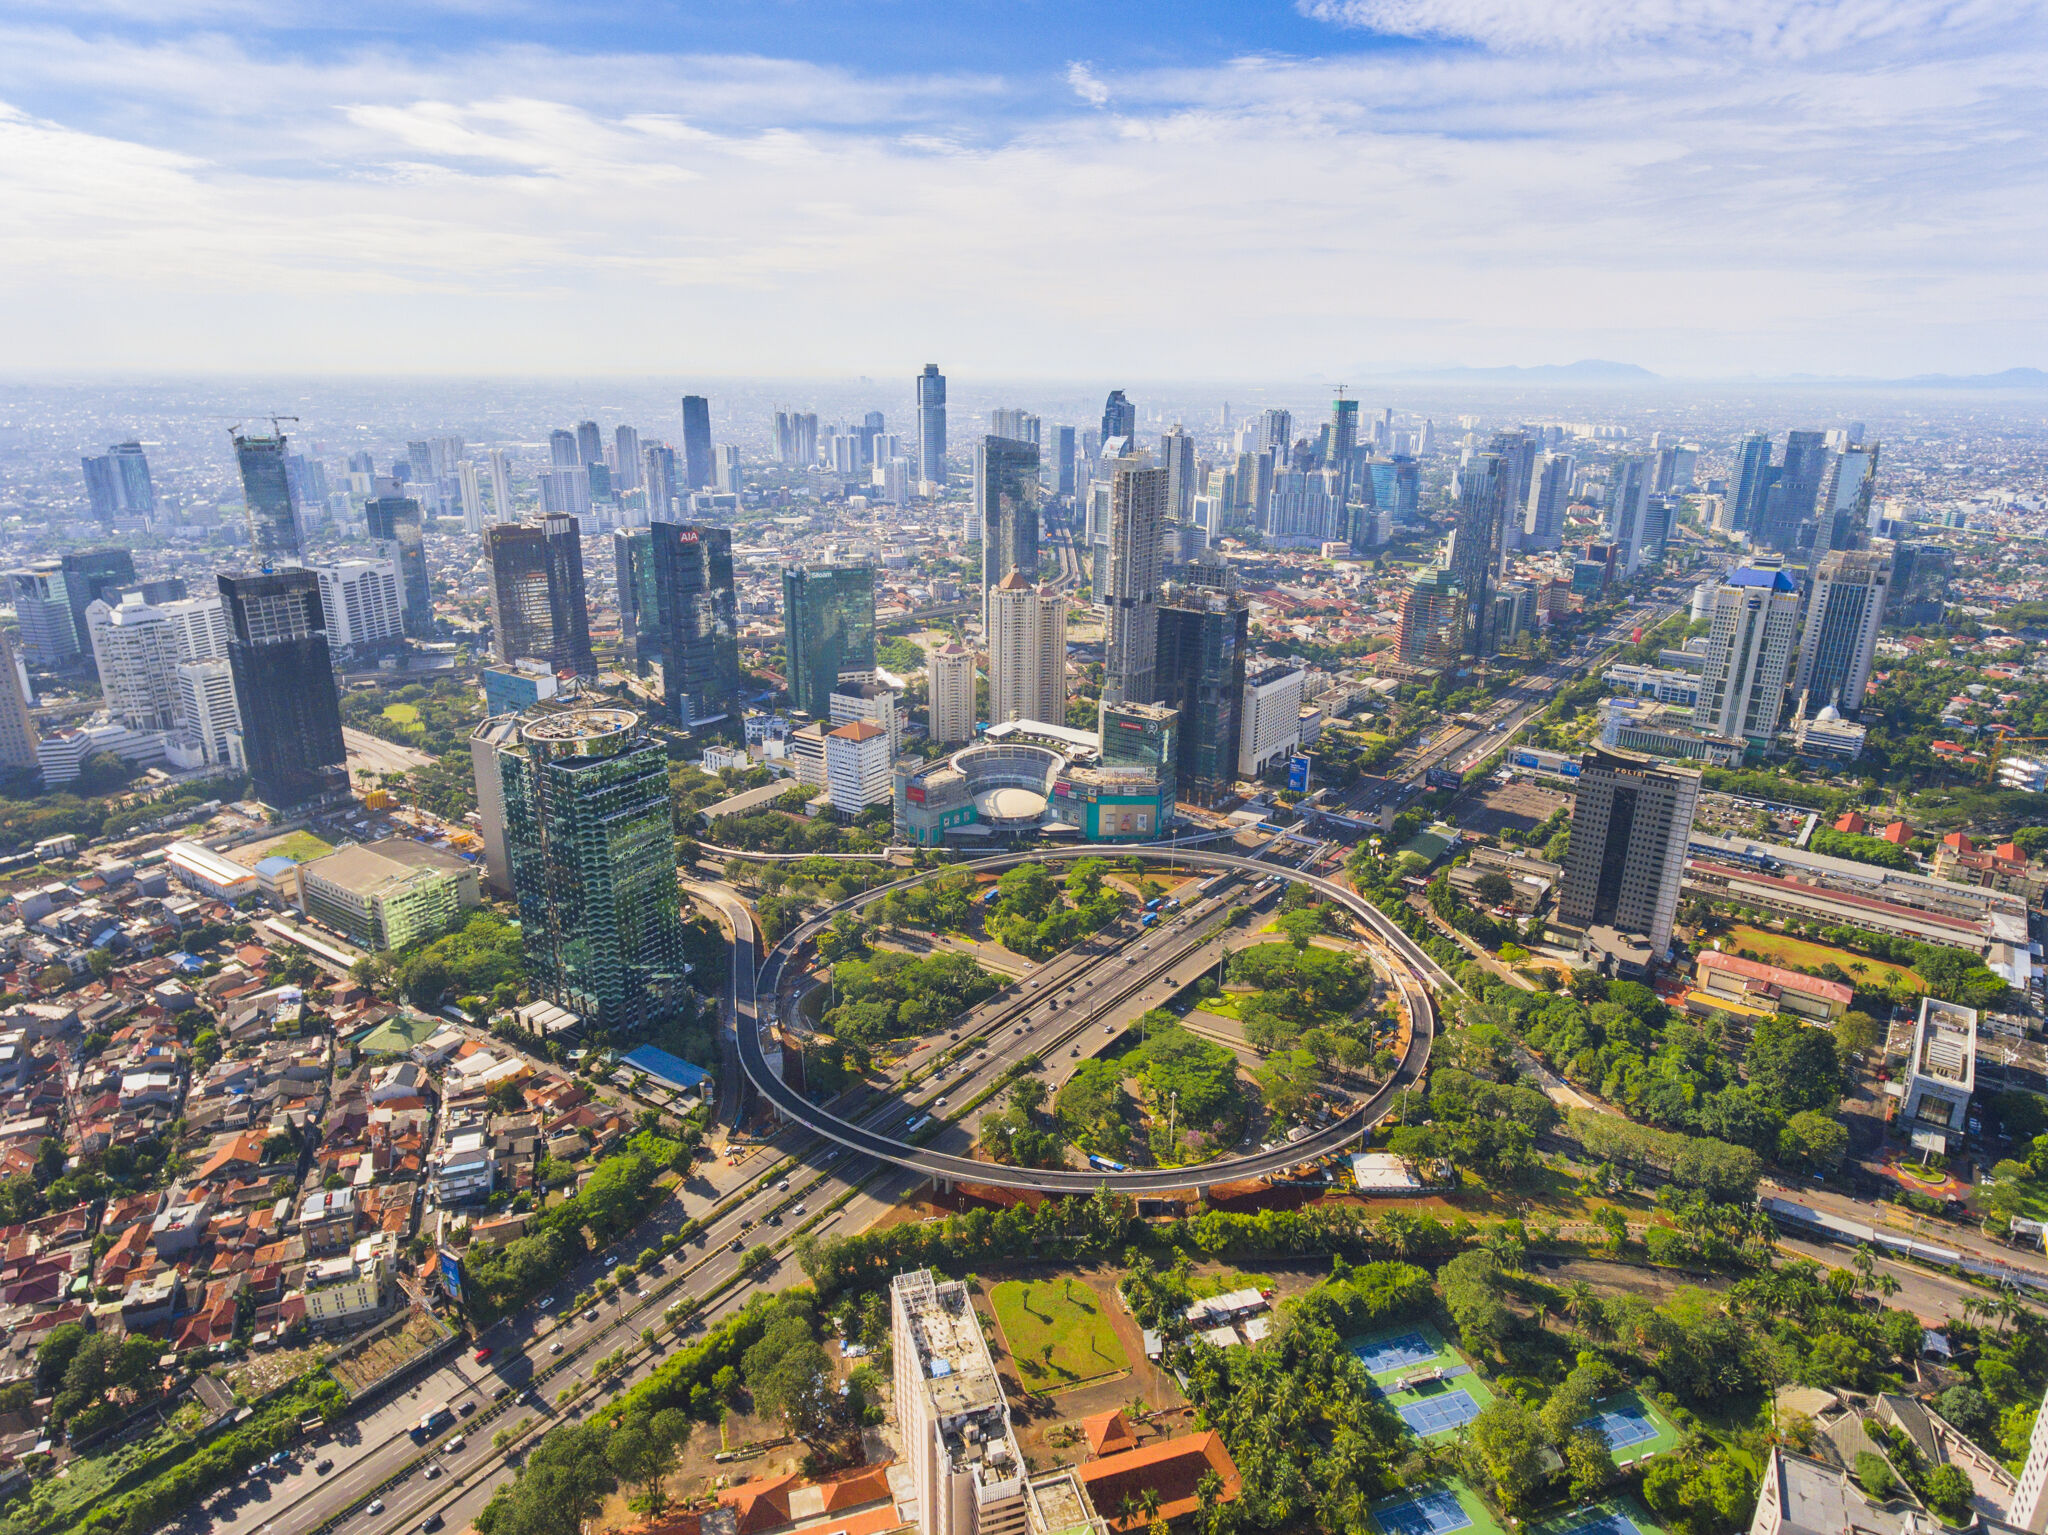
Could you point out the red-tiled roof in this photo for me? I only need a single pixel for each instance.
(1772, 975)
(762, 1504)
(1108, 1433)
(1173, 1468)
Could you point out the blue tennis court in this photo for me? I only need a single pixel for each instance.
(1383, 1354)
(1432, 1415)
(1434, 1513)
(1624, 1425)
(1605, 1524)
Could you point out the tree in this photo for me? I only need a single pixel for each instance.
(1948, 1491)
(1590, 1462)
(1814, 1141)
(1300, 926)
(1473, 1287)
(1494, 888)
(1508, 1446)
(1857, 1032)
(1873, 1475)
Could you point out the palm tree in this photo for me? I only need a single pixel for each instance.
(1148, 1500)
(1581, 1305)
(1865, 1266)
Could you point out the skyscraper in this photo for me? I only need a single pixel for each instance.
(284, 685)
(1628, 492)
(1144, 736)
(569, 612)
(50, 635)
(537, 603)
(1343, 440)
(267, 493)
(1843, 612)
(1789, 504)
(136, 652)
(727, 473)
(697, 614)
(208, 716)
(1119, 418)
(17, 726)
(100, 487)
(1177, 453)
(589, 443)
(1845, 498)
(590, 846)
(1750, 478)
(1631, 824)
(1027, 652)
(1006, 498)
(1476, 550)
(663, 487)
(931, 424)
(828, 623)
(1202, 648)
(1432, 626)
(1063, 459)
(699, 468)
(562, 452)
(639, 613)
(1550, 490)
(395, 526)
(90, 574)
(472, 490)
(136, 495)
(1517, 450)
(1276, 431)
(1130, 590)
(628, 472)
(502, 509)
(949, 672)
(1749, 655)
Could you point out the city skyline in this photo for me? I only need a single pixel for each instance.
(308, 187)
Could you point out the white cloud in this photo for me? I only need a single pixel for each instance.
(1704, 208)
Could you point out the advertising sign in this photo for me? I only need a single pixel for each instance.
(1297, 775)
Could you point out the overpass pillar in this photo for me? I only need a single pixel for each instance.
(1202, 1193)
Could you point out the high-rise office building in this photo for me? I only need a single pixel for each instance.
(17, 725)
(1129, 593)
(1145, 736)
(502, 506)
(569, 611)
(51, 637)
(1919, 590)
(1791, 500)
(1432, 627)
(698, 466)
(537, 601)
(1063, 460)
(267, 494)
(201, 624)
(697, 614)
(1517, 450)
(1631, 824)
(1750, 477)
(284, 685)
(1845, 498)
(1749, 655)
(471, 486)
(395, 525)
(136, 652)
(639, 611)
(131, 479)
(1027, 652)
(1276, 431)
(589, 443)
(1177, 453)
(90, 574)
(949, 673)
(628, 470)
(1119, 419)
(1343, 440)
(101, 488)
(1269, 719)
(661, 475)
(1628, 494)
(1839, 642)
(1476, 549)
(208, 716)
(931, 424)
(562, 453)
(1201, 670)
(1017, 425)
(363, 603)
(1550, 491)
(590, 849)
(828, 624)
(1006, 505)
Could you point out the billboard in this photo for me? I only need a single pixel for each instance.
(451, 1274)
(1526, 759)
(1297, 775)
(1444, 778)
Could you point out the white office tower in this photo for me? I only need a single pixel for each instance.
(17, 727)
(949, 676)
(1027, 652)
(1843, 612)
(501, 487)
(1177, 452)
(1628, 494)
(726, 473)
(875, 702)
(626, 465)
(894, 478)
(1749, 655)
(1550, 490)
(473, 496)
(209, 721)
(857, 760)
(1631, 825)
(1269, 720)
(135, 649)
(202, 627)
(1017, 425)
(1129, 595)
(361, 601)
(565, 491)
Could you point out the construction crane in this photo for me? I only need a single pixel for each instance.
(1998, 746)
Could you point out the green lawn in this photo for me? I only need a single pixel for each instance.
(1780, 948)
(1057, 1333)
(402, 714)
(303, 847)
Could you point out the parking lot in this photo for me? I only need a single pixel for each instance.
(1521, 805)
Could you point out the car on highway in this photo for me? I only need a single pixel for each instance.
(433, 1523)
(482, 1354)
(374, 1506)
(455, 1446)
(938, 1103)
(611, 1260)
(465, 1409)
(739, 1244)
(547, 1303)
(796, 1209)
(555, 1347)
(501, 1393)
(590, 1315)
(783, 1185)
(433, 1470)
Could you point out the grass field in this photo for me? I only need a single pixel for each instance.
(1057, 1333)
(1779, 948)
(402, 714)
(303, 847)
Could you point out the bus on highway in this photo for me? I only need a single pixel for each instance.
(432, 1420)
(1105, 1164)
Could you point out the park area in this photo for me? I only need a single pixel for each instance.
(1057, 1332)
(1429, 1384)
(1800, 954)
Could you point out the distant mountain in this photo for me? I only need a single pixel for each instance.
(2011, 378)
(1590, 370)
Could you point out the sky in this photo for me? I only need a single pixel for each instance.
(1196, 190)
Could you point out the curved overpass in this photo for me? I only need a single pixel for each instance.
(956, 1169)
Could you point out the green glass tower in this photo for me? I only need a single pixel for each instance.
(828, 627)
(591, 854)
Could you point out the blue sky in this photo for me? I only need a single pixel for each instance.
(1710, 188)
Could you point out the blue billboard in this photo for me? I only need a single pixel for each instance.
(451, 1274)
(1297, 775)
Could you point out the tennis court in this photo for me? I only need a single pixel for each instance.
(1624, 1425)
(1634, 1430)
(1382, 1355)
(1436, 1414)
(1604, 1522)
(1620, 1515)
(1433, 1513)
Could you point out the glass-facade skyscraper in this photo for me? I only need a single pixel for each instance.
(267, 493)
(90, 574)
(1202, 645)
(931, 424)
(537, 602)
(828, 624)
(590, 852)
(284, 685)
(395, 521)
(1006, 503)
(697, 465)
(1119, 417)
(1476, 550)
(697, 617)
(633, 560)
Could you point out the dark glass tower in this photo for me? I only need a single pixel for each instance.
(568, 612)
(633, 560)
(284, 685)
(828, 623)
(90, 574)
(395, 520)
(1119, 417)
(267, 490)
(521, 623)
(931, 424)
(697, 464)
(590, 851)
(1475, 555)
(1201, 674)
(1006, 500)
(697, 615)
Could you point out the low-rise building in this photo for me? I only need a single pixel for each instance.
(1941, 1074)
(351, 1287)
(385, 895)
(1752, 984)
